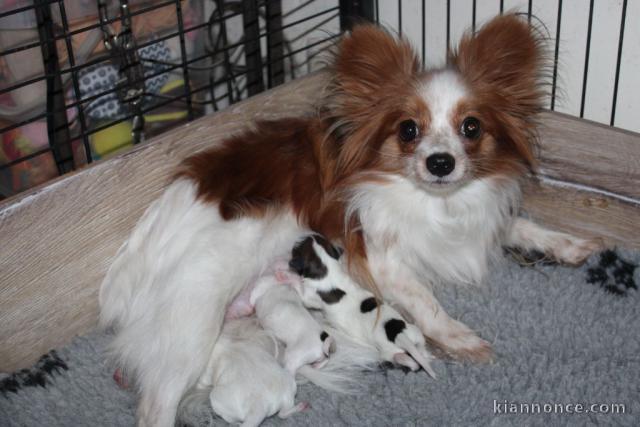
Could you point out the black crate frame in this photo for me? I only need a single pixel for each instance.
(58, 128)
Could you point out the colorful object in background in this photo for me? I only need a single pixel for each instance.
(168, 114)
(21, 28)
(19, 103)
(111, 140)
(117, 137)
(21, 142)
(103, 77)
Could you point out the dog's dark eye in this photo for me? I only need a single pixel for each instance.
(470, 128)
(408, 130)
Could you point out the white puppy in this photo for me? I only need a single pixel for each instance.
(248, 382)
(355, 311)
(280, 311)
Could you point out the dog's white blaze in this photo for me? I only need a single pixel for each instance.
(442, 92)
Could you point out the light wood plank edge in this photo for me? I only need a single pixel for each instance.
(591, 154)
(584, 213)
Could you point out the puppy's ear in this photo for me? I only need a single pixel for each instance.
(334, 252)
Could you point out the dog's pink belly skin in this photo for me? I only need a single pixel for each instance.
(241, 306)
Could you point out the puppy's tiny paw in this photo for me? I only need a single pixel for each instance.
(574, 250)
(120, 379)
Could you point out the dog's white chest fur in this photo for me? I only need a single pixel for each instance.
(441, 238)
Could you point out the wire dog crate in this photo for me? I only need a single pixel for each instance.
(84, 79)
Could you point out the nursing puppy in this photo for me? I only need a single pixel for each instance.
(415, 172)
(355, 311)
(280, 311)
(247, 383)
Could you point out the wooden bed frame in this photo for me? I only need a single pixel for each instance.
(57, 241)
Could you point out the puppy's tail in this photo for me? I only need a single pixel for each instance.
(346, 366)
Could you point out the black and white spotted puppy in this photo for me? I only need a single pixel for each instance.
(354, 310)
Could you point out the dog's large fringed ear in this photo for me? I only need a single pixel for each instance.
(372, 72)
(369, 57)
(505, 56)
(504, 63)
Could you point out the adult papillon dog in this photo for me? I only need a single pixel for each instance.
(414, 172)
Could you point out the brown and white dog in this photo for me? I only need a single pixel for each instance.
(414, 172)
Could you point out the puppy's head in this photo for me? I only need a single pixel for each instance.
(439, 128)
(308, 254)
(317, 261)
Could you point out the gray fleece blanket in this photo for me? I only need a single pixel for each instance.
(567, 345)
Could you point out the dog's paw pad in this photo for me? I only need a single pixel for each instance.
(574, 251)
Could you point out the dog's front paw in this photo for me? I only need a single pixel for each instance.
(574, 250)
(470, 348)
(463, 345)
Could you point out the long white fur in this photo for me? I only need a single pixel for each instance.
(166, 292)
(444, 231)
(346, 366)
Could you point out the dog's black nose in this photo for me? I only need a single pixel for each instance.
(441, 164)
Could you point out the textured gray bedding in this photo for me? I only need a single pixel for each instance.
(562, 337)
